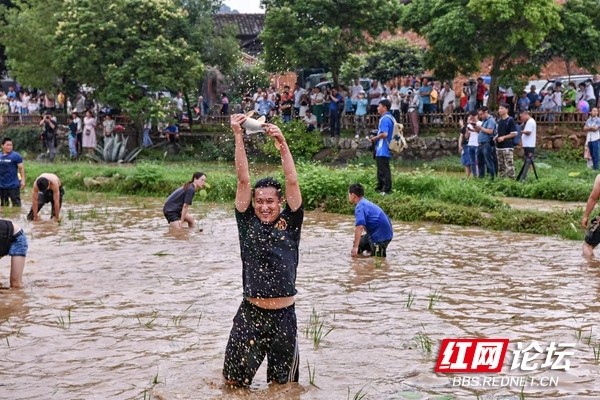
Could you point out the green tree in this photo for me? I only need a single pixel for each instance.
(579, 41)
(314, 33)
(463, 33)
(29, 40)
(392, 58)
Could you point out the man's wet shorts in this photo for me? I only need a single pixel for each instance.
(172, 216)
(256, 333)
(19, 246)
(592, 236)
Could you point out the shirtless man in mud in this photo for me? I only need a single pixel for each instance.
(269, 234)
(592, 235)
(47, 188)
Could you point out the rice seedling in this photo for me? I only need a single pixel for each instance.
(178, 318)
(411, 299)
(360, 395)
(423, 340)
(199, 319)
(7, 342)
(434, 298)
(62, 322)
(150, 323)
(596, 350)
(316, 329)
(70, 214)
(522, 393)
(589, 337)
(311, 375)
(578, 330)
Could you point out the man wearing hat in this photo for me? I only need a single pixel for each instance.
(360, 103)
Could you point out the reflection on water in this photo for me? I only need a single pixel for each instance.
(118, 307)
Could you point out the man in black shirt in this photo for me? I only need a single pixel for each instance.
(507, 130)
(265, 324)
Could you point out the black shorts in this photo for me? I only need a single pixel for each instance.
(256, 333)
(172, 216)
(592, 236)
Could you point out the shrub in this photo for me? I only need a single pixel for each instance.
(25, 138)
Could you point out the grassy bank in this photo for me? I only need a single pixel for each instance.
(426, 193)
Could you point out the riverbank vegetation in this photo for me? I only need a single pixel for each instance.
(435, 191)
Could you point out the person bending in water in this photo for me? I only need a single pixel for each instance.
(265, 323)
(46, 189)
(176, 208)
(13, 242)
(592, 235)
(373, 231)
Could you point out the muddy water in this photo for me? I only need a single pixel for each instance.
(116, 307)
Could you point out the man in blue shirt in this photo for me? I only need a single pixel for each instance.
(485, 151)
(11, 166)
(372, 220)
(382, 147)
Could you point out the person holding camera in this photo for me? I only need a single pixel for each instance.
(49, 125)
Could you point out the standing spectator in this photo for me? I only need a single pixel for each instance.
(298, 92)
(360, 115)
(414, 103)
(448, 100)
(569, 98)
(61, 101)
(72, 136)
(523, 102)
(485, 150)
(510, 100)
(528, 140)
(265, 106)
(592, 127)
(335, 101)
(590, 96)
(395, 101)
(373, 230)
(79, 103)
(108, 126)
(316, 100)
(382, 150)
(463, 150)
(403, 92)
(25, 99)
(49, 125)
(12, 174)
(3, 103)
(425, 93)
(375, 93)
(287, 106)
(473, 143)
(481, 89)
(356, 89)
(224, 104)
(533, 96)
(257, 98)
(79, 131)
(506, 131)
(472, 93)
(89, 132)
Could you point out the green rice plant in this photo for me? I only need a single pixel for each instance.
(7, 342)
(424, 342)
(578, 330)
(360, 395)
(411, 299)
(434, 297)
(316, 329)
(522, 393)
(178, 318)
(311, 375)
(589, 338)
(596, 350)
(65, 322)
(150, 323)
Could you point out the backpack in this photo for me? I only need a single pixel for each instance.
(397, 142)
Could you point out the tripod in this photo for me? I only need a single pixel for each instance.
(525, 168)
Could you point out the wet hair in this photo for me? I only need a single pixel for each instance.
(197, 175)
(357, 189)
(42, 184)
(386, 103)
(267, 182)
(6, 139)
